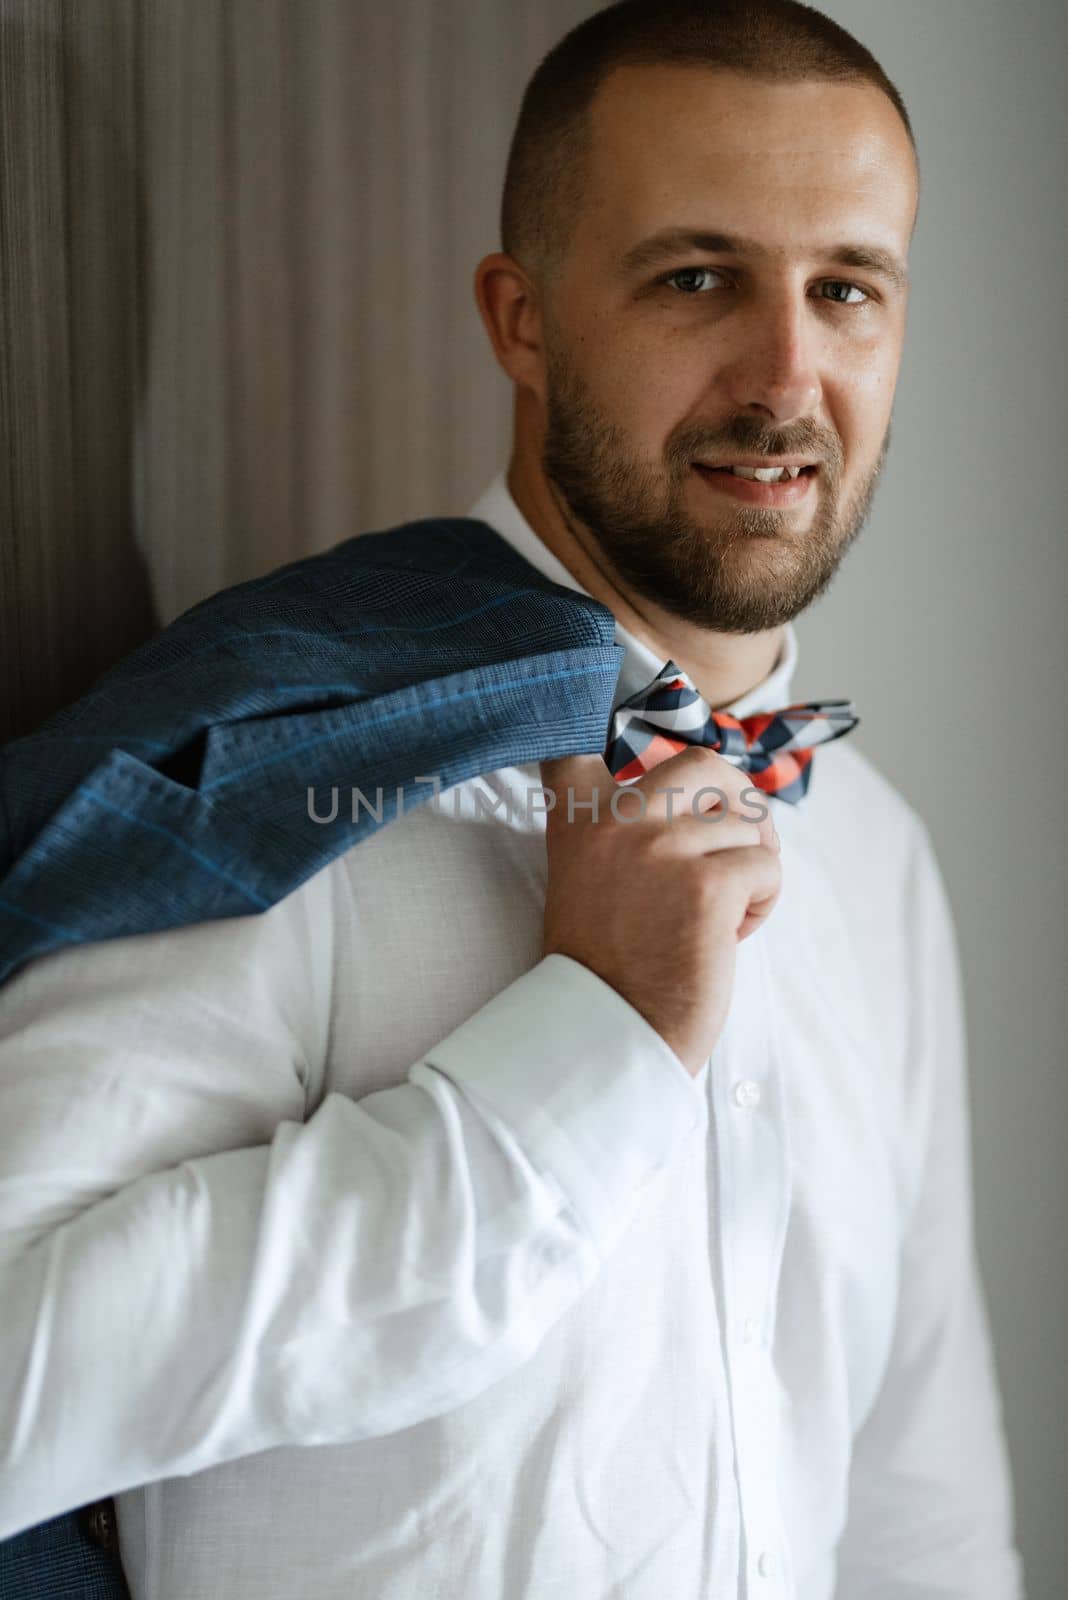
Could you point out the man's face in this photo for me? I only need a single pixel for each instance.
(764, 344)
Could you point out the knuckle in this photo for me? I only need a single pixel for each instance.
(734, 871)
(711, 885)
(719, 763)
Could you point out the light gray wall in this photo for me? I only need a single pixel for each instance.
(946, 624)
(236, 246)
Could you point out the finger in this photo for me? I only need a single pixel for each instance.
(696, 773)
(745, 884)
(756, 915)
(702, 835)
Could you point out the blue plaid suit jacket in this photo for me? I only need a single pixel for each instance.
(177, 789)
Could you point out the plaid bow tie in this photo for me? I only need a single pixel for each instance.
(774, 747)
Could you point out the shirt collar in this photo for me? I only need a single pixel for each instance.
(640, 666)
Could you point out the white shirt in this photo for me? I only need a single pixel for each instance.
(364, 1174)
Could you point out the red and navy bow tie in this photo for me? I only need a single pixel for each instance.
(774, 747)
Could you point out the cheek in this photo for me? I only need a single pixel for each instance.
(859, 397)
(871, 376)
(647, 380)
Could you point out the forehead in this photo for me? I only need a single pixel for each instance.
(688, 145)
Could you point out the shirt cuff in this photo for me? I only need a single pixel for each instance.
(589, 1089)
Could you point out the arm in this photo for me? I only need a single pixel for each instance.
(930, 1509)
(192, 1270)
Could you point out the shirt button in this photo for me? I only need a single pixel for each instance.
(747, 1093)
(767, 1566)
(750, 1327)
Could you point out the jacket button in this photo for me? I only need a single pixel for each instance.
(100, 1524)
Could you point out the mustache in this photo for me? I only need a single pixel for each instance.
(746, 435)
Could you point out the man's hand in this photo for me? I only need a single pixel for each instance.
(656, 905)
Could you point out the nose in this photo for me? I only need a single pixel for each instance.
(775, 370)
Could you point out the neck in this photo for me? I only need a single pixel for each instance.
(722, 666)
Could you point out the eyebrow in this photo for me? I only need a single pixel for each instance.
(670, 243)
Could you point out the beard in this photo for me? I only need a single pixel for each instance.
(741, 569)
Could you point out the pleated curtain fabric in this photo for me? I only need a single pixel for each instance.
(236, 327)
(237, 321)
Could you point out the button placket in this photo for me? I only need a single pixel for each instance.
(754, 1178)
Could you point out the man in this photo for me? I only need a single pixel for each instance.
(592, 1193)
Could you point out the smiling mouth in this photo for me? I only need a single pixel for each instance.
(773, 487)
(769, 474)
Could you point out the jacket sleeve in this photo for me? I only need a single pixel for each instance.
(931, 1507)
(192, 1269)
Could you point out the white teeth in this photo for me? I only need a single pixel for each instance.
(766, 474)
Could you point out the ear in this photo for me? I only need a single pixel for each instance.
(510, 307)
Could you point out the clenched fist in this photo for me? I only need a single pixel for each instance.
(656, 903)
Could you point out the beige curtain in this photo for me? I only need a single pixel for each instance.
(74, 592)
(237, 240)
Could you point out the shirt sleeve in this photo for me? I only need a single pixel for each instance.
(931, 1506)
(193, 1270)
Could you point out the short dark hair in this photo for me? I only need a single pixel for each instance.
(776, 40)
